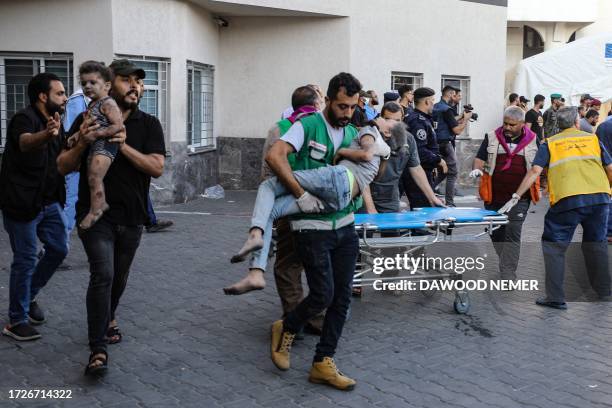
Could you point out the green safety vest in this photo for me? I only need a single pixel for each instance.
(318, 151)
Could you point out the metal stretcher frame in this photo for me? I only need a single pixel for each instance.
(441, 222)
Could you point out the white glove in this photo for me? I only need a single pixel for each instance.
(309, 204)
(511, 203)
(475, 173)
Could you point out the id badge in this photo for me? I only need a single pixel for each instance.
(317, 150)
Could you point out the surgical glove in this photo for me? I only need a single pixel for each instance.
(511, 203)
(475, 173)
(309, 203)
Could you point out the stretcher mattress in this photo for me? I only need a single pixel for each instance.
(421, 217)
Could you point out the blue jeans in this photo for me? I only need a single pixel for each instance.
(72, 195)
(150, 212)
(28, 274)
(329, 259)
(558, 232)
(330, 184)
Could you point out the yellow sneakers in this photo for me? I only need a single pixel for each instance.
(280, 346)
(326, 372)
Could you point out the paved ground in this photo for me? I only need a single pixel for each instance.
(186, 344)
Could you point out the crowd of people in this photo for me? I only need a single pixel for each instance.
(329, 156)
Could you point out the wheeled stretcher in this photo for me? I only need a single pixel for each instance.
(415, 230)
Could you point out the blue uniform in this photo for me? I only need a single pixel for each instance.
(422, 127)
(604, 133)
(560, 222)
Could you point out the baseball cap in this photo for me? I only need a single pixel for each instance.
(586, 97)
(596, 102)
(524, 100)
(555, 96)
(124, 67)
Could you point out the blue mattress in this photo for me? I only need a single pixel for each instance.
(420, 217)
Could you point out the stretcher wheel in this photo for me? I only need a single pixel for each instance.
(462, 302)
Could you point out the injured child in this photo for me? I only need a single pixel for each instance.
(328, 189)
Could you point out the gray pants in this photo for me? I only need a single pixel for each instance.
(507, 239)
(447, 151)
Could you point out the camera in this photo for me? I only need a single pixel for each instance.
(470, 108)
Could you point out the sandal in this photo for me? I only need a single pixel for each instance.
(113, 335)
(93, 367)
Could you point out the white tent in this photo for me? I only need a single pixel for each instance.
(582, 66)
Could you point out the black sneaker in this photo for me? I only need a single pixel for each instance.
(161, 225)
(36, 315)
(21, 332)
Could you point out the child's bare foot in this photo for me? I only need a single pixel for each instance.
(92, 217)
(254, 280)
(253, 243)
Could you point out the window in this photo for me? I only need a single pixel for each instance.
(532, 42)
(16, 70)
(155, 98)
(406, 78)
(462, 83)
(200, 80)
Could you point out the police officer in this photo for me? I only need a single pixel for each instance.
(421, 126)
(447, 128)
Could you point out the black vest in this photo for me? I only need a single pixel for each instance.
(23, 175)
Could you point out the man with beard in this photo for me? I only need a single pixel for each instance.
(112, 242)
(505, 156)
(327, 244)
(534, 119)
(32, 196)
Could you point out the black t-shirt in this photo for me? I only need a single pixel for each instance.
(21, 124)
(125, 186)
(449, 118)
(532, 117)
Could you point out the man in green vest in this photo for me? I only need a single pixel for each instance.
(305, 101)
(327, 244)
(579, 178)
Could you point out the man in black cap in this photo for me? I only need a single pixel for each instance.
(421, 126)
(112, 242)
(523, 103)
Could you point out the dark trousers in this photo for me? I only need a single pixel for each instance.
(329, 259)
(110, 250)
(28, 274)
(507, 238)
(558, 232)
(447, 151)
(416, 197)
(288, 272)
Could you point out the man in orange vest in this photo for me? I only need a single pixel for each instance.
(502, 161)
(579, 178)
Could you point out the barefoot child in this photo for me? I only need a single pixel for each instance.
(328, 189)
(95, 82)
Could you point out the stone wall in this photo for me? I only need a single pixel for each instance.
(186, 175)
(466, 151)
(239, 161)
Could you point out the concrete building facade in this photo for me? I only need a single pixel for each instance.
(219, 73)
